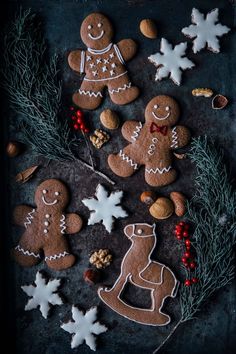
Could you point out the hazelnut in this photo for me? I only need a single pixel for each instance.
(148, 28)
(109, 119)
(163, 208)
(179, 201)
(219, 102)
(91, 276)
(148, 197)
(14, 148)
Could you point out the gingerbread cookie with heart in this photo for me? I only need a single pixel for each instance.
(103, 63)
(152, 143)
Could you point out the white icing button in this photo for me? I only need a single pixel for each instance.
(46, 223)
(47, 216)
(140, 231)
(152, 147)
(45, 231)
(89, 27)
(154, 140)
(44, 191)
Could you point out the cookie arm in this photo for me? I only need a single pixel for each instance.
(131, 129)
(21, 213)
(179, 137)
(73, 223)
(128, 48)
(76, 60)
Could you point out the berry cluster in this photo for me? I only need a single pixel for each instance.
(182, 233)
(78, 120)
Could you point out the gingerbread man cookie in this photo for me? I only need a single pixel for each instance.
(45, 227)
(152, 143)
(103, 64)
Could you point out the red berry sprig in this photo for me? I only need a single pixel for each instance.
(78, 120)
(182, 232)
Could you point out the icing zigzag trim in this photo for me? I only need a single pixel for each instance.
(29, 217)
(174, 138)
(137, 131)
(26, 252)
(63, 224)
(123, 88)
(158, 170)
(128, 160)
(90, 93)
(56, 256)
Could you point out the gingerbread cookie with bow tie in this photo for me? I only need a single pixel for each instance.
(103, 63)
(152, 143)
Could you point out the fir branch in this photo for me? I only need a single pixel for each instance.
(34, 92)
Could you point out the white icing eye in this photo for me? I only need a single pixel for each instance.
(155, 106)
(140, 231)
(45, 191)
(167, 108)
(89, 27)
(99, 25)
(47, 216)
(57, 193)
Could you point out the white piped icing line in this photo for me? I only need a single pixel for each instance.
(49, 203)
(29, 218)
(108, 78)
(128, 160)
(119, 55)
(100, 51)
(90, 93)
(63, 224)
(26, 252)
(158, 170)
(174, 139)
(56, 256)
(136, 131)
(95, 38)
(152, 147)
(82, 62)
(123, 88)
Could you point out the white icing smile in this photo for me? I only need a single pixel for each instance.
(49, 203)
(97, 37)
(159, 117)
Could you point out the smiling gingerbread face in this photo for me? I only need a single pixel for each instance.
(96, 31)
(51, 194)
(162, 110)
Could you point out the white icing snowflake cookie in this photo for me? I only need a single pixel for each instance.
(43, 294)
(171, 61)
(105, 208)
(205, 30)
(83, 327)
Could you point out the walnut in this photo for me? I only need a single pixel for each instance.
(206, 92)
(99, 138)
(101, 258)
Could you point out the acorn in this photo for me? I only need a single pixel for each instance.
(148, 197)
(109, 119)
(179, 201)
(162, 209)
(148, 28)
(14, 148)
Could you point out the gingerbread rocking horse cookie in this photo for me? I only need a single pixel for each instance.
(103, 64)
(152, 143)
(45, 227)
(138, 268)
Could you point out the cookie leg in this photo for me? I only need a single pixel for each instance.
(121, 90)
(158, 177)
(59, 257)
(26, 256)
(89, 95)
(122, 164)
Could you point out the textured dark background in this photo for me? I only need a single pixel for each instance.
(215, 328)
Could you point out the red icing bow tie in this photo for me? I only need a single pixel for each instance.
(155, 128)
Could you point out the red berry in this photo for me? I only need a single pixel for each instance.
(187, 254)
(73, 117)
(178, 227)
(182, 223)
(184, 259)
(187, 242)
(186, 264)
(82, 126)
(79, 113)
(192, 265)
(179, 237)
(86, 130)
(195, 280)
(76, 127)
(79, 120)
(185, 234)
(187, 282)
(71, 108)
(188, 248)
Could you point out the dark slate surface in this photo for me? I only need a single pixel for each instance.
(214, 331)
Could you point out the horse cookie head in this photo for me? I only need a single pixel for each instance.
(139, 230)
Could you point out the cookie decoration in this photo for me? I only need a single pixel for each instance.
(105, 208)
(171, 61)
(152, 143)
(45, 227)
(42, 294)
(138, 268)
(83, 327)
(205, 31)
(103, 63)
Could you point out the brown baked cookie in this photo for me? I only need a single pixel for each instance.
(103, 64)
(45, 227)
(152, 143)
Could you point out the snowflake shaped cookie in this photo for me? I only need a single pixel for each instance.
(171, 61)
(42, 294)
(105, 208)
(205, 31)
(83, 327)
